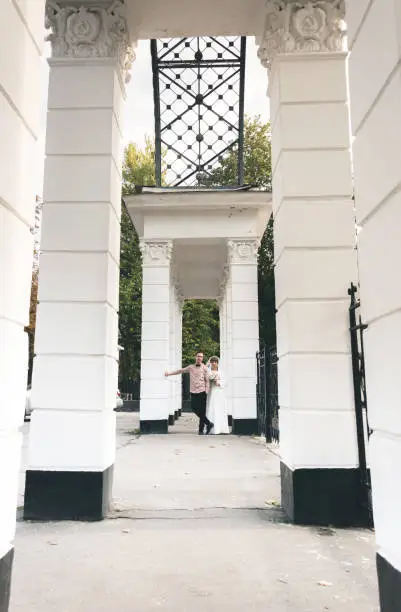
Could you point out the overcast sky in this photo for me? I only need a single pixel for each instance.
(139, 119)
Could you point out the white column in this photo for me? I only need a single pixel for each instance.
(21, 35)
(315, 260)
(244, 334)
(178, 348)
(222, 329)
(72, 437)
(172, 353)
(229, 361)
(375, 91)
(155, 353)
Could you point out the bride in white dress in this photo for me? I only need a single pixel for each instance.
(216, 409)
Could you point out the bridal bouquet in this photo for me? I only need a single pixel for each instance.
(214, 377)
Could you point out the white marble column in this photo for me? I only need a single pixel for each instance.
(155, 353)
(375, 93)
(178, 347)
(72, 436)
(21, 38)
(172, 349)
(244, 334)
(315, 259)
(229, 336)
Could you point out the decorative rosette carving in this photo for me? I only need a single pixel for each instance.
(90, 32)
(243, 251)
(302, 26)
(156, 253)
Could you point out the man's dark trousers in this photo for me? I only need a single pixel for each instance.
(198, 406)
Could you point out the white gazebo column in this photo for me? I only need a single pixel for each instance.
(228, 369)
(375, 92)
(178, 348)
(315, 260)
(21, 35)
(155, 352)
(222, 328)
(172, 352)
(72, 435)
(245, 332)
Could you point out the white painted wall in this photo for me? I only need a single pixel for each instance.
(75, 370)
(375, 90)
(21, 67)
(314, 257)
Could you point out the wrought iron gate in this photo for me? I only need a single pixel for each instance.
(361, 407)
(267, 393)
(261, 396)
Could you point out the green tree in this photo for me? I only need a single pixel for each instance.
(138, 166)
(138, 169)
(200, 329)
(257, 172)
(130, 304)
(257, 157)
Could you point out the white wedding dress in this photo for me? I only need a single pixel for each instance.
(216, 409)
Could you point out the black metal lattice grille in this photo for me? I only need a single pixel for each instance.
(198, 86)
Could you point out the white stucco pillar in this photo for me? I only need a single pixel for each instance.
(315, 260)
(244, 333)
(222, 329)
(375, 92)
(72, 436)
(172, 350)
(178, 349)
(228, 368)
(155, 353)
(21, 36)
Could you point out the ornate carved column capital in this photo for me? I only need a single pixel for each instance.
(303, 26)
(243, 251)
(90, 32)
(156, 252)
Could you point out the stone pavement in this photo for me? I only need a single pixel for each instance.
(195, 526)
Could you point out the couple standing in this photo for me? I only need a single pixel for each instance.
(207, 396)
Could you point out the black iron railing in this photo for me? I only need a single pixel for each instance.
(273, 431)
(267, 393)
(261, 392)
(363, 429)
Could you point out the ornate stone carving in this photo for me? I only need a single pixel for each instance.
(302, 26)
(90, 31)
(243, 251)
(156, 253)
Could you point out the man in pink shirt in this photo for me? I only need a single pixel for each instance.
(199, 388)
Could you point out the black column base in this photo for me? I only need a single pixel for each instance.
(176, 415)
(6, 564)
(230, 420)
(180, 412)
(154, 427)
(389, 585)
(67, 496)
(171, 419)
(244, 427)
(327, 496)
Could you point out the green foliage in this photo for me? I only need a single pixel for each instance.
(130, 303)
(138, 166)
(138, 169)
(257, 157)
(267, 299)
(200, 329)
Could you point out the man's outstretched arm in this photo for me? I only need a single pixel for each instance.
(180, 371)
